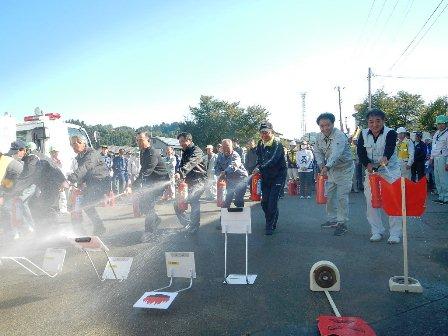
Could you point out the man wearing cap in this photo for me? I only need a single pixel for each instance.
(439, 156)
(210, 161)
(10, 170)
(271, 164)
(420, 152)
(291, 160)
(333, 156)
(305, 160)
(107, 158)
(405, 152)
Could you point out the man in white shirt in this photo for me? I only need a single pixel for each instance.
(439, 157)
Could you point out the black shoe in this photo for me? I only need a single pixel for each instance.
(99, 230)
(218, 227)
(269, 232)
(329, 225)
(340, 230)
(190, 229)
(438, 201)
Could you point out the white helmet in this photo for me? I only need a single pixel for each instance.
(401, 130)
(292, 143)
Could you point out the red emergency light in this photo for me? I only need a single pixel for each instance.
(50, 116)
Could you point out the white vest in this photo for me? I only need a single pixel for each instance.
(375, 150)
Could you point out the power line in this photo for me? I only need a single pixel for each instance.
(411, 77)
(416, 35)
(429, 28)
(363, 30)
(385, 24)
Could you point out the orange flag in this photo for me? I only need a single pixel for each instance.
(415, 197)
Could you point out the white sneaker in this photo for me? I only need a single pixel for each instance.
(393, 240)
(301, 197)
(16, 236)
(376, 237)
(308, 197)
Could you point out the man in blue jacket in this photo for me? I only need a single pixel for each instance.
(271, 164)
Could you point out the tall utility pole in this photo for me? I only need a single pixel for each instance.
(303, 123)
(341, 125)
(369, 79)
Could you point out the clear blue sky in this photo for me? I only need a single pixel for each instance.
(143, 62)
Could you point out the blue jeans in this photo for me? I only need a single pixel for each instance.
(194, 194)
(235, 191)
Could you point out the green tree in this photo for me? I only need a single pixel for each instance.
(427, 118)
(213, 120)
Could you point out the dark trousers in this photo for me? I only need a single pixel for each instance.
(119, 183)
(235, 191)
(358, 174)
(306, 182)
(195, 190)
(92, 195)
(147, 203)
(271, 189)
(417, 170)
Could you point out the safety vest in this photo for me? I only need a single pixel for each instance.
(403, 150)
(4, 163)
(292, 156)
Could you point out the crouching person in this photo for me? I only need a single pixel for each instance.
(192, 170)
(377, 151)
(92, 176)
(153, 178)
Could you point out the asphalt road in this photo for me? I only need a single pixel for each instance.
(279, 303)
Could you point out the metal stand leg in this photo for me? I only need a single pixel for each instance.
(225, 256)
(16, 260)
(247, 257)
(191, 283)
(110, 264)
(171, 282)
(91, 261)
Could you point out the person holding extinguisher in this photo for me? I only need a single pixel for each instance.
(192, 170)
(334, 158)
(271, 163)
(152, 179)
(377, 151)
(230, 168)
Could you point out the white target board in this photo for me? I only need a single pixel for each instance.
(180, 264)
(121, 266)
(236, 220)
(156, 300)
(54, 260)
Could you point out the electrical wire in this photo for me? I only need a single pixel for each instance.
(410, 77)
(363, 30)
(429, 28)
(416, 35)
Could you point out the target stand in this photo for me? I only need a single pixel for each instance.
(178, 265)
(52, 264)
(237, 221)
(117, 268)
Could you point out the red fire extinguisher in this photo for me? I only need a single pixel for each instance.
(321, 198)
(292, 188)
(220, 191)
(255, 187)
(75, 201)
(374, 180)
(182, 195)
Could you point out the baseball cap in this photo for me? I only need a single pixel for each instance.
(265, 126)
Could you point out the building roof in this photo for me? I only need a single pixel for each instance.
(168, 141)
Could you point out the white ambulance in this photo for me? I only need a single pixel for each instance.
(50, 131)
